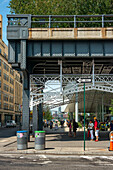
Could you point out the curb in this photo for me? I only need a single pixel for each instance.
(58, 153)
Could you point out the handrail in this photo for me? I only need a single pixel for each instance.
(49, 20)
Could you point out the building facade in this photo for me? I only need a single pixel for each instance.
(10, 87)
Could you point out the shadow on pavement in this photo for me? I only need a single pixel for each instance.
(103, 136)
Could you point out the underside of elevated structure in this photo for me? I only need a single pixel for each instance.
(54, 59)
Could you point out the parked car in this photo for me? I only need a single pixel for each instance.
(10, 123)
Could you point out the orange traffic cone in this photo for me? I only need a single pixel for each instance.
(111, 141)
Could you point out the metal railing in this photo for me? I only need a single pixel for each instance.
(53, 21)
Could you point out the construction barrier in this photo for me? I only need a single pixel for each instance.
(111, 141)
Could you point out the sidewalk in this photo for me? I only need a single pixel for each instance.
(59, 143)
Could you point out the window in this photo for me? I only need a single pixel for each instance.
(11, 81)
(6, 87)
(5, 97)
(11, 90)
(11, 72)
(5, 56)
(11, 107)
(5, 66)
(6, 77)
(11, 99)
(0, 72)
(0, 50)
(5, 106)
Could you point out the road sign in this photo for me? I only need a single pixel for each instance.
(84, 80)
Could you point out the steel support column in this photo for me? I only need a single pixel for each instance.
(35, 120)
(40, 117)
(102, 109)
(76, 106)
(26, 93)
(60, 63)
(100, 113)
(93, 74)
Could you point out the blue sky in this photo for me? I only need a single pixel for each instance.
(4, 11)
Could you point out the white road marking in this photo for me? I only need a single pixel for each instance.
(88, 157)
(42, 156)
(45, 162)
(34, 160)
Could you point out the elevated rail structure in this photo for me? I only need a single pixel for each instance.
(60, 50)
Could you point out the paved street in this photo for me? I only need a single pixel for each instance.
(8, 132)
(40, 162)
(61, 152)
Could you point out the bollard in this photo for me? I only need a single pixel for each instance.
(22, 140)
(111, 141)
(40, 140)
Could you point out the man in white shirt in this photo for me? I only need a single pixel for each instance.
(90, 126)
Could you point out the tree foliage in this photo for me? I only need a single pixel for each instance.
(47, 113)
(61, 7)
(111, 107)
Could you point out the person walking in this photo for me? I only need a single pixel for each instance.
(56, 125)
(75, 126)
(90, 127)
(70, 127)
(51, 124)
(96, 128)
(111, 126)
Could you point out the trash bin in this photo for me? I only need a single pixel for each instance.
(40, 140)
(22, 139)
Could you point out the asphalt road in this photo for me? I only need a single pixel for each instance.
(44, 162)
(8, 132)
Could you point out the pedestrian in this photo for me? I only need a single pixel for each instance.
(111, 126)
(75, 126)
(56, 125)
(47, 123)
(70, 127)
(51, 124)
(96, 128)
(90, 127)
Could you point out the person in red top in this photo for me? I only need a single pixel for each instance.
(69, 125)
(96, 128)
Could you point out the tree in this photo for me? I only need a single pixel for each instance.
(61, 7)
(111, 107)
(47, 113)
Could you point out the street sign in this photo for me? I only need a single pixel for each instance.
(84, 80)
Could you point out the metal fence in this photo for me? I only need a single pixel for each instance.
(60, 21)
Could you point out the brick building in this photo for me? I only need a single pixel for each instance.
(10, 86)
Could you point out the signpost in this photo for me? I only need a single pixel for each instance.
(84, 80)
